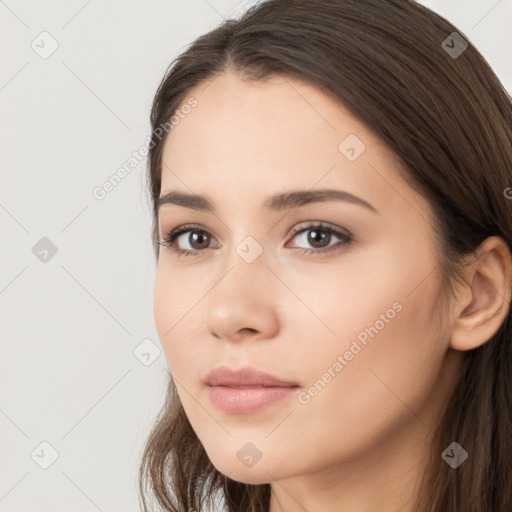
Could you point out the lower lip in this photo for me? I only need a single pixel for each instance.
(249, 399)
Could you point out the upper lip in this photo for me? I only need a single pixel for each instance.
(246, 376)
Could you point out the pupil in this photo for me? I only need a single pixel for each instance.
(196, 236)
(323, 238)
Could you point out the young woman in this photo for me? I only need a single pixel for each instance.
(332, 186)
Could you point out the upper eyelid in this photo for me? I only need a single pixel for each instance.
(305, 225)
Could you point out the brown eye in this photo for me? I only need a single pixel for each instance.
(199, 239)
(319, 237)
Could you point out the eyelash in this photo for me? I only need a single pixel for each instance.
(169, 240)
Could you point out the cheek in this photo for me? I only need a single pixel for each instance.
(391, 352)
(172, 306)
(387, 347)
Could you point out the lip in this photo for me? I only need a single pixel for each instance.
(246, 376)
(246, 390)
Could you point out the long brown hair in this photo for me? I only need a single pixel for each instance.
(398, 68)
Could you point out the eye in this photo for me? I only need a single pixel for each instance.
(320, 235)
(199, 239)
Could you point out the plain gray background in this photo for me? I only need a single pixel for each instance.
(82, 370)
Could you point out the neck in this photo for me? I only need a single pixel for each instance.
(386, 479)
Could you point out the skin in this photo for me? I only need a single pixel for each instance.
(360, 443)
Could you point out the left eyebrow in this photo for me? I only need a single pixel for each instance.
(277, 202)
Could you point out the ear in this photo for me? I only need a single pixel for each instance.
(484, 304)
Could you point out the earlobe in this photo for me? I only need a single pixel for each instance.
(485, 303)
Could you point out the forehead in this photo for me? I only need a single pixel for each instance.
(245, 140)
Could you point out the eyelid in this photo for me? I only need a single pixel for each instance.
(310, 224)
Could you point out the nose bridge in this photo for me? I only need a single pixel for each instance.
(240, 299)
(244, 270)
(246, 248)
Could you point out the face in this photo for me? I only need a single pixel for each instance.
(334, 295)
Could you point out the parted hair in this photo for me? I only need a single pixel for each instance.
(393, 64)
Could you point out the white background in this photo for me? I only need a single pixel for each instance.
(69, 325)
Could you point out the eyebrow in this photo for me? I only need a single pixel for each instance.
(279, 202)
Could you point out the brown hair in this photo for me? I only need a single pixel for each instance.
(449, 120)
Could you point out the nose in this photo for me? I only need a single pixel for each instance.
(242, 304)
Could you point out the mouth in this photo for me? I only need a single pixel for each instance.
(246, 390)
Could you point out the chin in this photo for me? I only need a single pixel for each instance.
(235, 470)
(248, 476)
